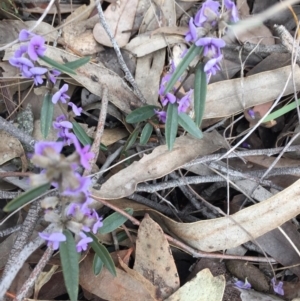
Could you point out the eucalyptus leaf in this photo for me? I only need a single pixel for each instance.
(57, 65)
(47, 114)
(200, 88)
(70, 265)
(189, 125)
(97, 265)
(114, 221)
(141, 114)
(182, 66)
(77, 63)
(103, 254)
(26, 197)
(171, 125)
(146, 133)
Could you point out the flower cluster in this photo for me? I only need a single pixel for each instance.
(74, 212)
(25, 58)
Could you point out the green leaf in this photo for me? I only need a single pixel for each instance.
(189, 125)
(26, 197)
(70, 265)
(114, 221)
(141, 114)
(171, 125)
(57, 65)
(97, 265)
(132, 138)
(47, 114)
(102, 252)
(83, 136)
(200, 88)
(146, 133)
(182, 66)
(121, 236)
(77, 63)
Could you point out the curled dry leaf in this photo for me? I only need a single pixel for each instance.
(204, 287)
(158, 164)
(154, 259)
(119, 18)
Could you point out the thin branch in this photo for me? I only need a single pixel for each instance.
(10, 230)
(121, 61)
(8, 194)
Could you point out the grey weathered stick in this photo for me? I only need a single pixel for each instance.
(121, 61)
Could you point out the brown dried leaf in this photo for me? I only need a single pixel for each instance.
(154, 259)
(120, 18)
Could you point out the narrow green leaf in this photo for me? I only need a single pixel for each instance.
(171, 125)
(77, 63)
(47, 114)
(121, 236)
(114, 221)
(146, 133)
(182, 66)
(70, 265)
(141, 114)
(26, 197)
(97, 265)
(102, 252)
(189, 125)
(200, 88)
(57, 65)
(83, 136)
(132, 138)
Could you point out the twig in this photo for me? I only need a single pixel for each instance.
(24, 138)
(100, 128)
(121, 61)
(260, 49)
(10, 230)
(15, 174)
(23, 292)
(181, 245)
(12, 271)
(8, 194)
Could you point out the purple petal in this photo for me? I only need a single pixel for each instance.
(278, 288)
(243, 285)
(77, 111)
(36, 47)
(24, 35)
(40, 146)
(19, 52)
(38, 70)
(162, 116)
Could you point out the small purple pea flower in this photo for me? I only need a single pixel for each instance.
(36, 47)
(83, 243)
(243, 285)
(53, 74)
(62, 126)
(53, 239)
(22, 63)
(209, 12)
(40, 147)
(277, 287)
(84, 184)
(161, 115)
(191, 35)
(19, 52)
(77, 110)
(36, 73)
(184, 102)
(61, 94)
(212, 66)
(232, 9)
(212, 46)
(169, 97)
(25, 35)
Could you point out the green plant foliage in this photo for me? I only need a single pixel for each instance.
(189, 125)
(26, 197)
(77, 63)
(141, 114)
(114, 221)
(47, 114)
(200, 88)
(132, 138)
(146, 133)
(70, 265)
(56, 65)
(97, 265)
(171, 125)
(182, 66)
(103, 254)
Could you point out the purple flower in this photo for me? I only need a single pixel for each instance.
(53, 74)
(163, 83)
(84, 154)
(231, 8)
(62, 126)
(83, 187)
(24, 35)
(61, 95)
(211, 46)
(98, 224)
(192, 33)
(36, 73)
(40, 147)
(83, 243)
(53, 239)
(36, 47)
(277, 287)
(251, 113)
(209, 12)
(19, 52)
(169, 97)
(184, 102)
(212, 66)
(244, 285)
(22, 63)
(162, 115)
(77, 111)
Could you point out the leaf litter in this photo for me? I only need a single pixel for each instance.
(149, 267)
